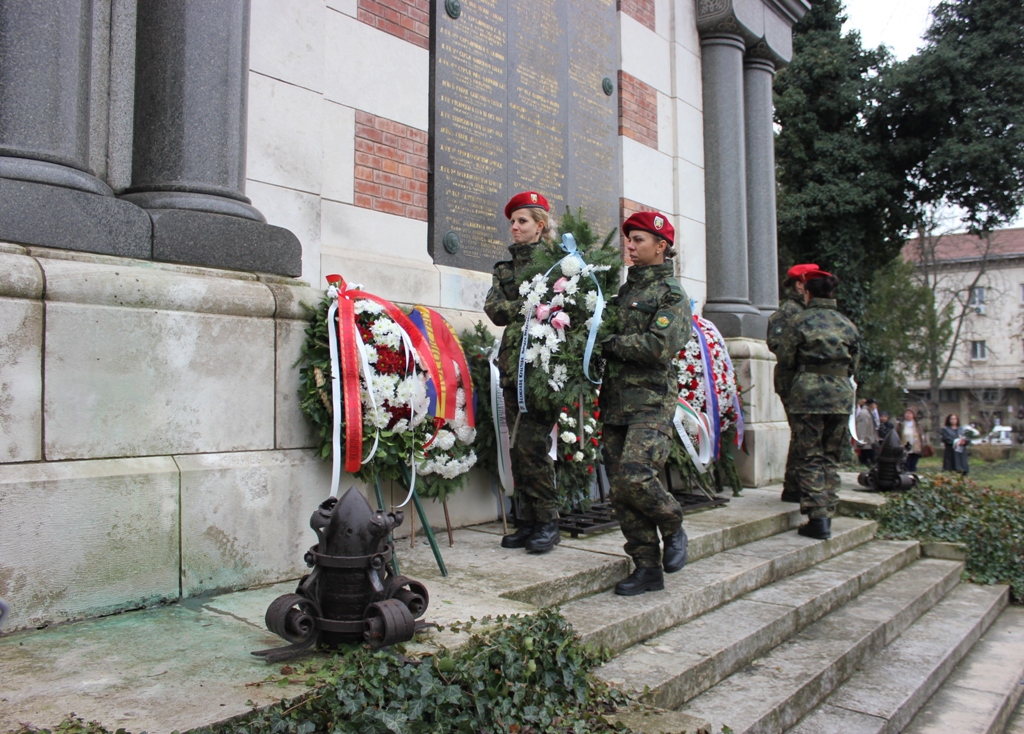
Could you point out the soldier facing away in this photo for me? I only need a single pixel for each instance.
(652, 323)
(822, 350)
(779, 324)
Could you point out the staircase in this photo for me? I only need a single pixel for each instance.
(767, 631)
(763, 631)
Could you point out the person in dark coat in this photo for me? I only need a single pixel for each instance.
(652, 323)
(954, 442)
(884, 425)
(822, 350)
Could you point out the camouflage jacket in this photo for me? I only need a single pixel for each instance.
(822, 350)
(504, 305)
(778, 323)
(651, 323)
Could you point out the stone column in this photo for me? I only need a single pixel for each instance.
(728, 304)
(45, 78)
(188, 157)
(762, 244)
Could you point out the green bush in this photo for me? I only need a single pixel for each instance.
(989, 523)
(524, 674)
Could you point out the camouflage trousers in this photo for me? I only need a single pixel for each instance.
(634, 457)
(533, 470)
(817, 442)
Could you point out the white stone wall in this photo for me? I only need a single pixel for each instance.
(670, 178)
(151, 442)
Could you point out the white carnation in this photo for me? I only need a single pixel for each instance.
(568, 436)
(466, 434)
(570, 266)
(365, 306)
(591, 301)
(444, 440)
(578, 456)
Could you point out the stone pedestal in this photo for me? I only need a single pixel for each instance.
(767, 431)
(728, 304)
(48, 194)
(188, 159)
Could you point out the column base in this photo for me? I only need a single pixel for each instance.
(737, 320)
(767, 431)
(222, 241)
(69, 219)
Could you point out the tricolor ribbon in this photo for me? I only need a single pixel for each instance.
(710, 396)
(736, 403)
(348, 359)
(702, 457)
(568, 245)
(452, 367)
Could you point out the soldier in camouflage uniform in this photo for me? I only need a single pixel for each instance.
(778, 324)
(822, 349)
(652, 322)
(533, 470)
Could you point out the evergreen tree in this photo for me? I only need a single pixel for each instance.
(953, 114)
(836, 193)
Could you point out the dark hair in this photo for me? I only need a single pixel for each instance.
(949, 418)
(822, 287)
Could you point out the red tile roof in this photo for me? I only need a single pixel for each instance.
(967, 247)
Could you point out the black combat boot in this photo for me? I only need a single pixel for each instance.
(518, 538)
(544, 538)
(673, 558)
(819, 528)
(644, 578)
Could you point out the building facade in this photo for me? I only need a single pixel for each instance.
(177, 178)
(985, 275)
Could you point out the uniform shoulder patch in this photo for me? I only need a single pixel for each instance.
(664, 319)
(674, 288)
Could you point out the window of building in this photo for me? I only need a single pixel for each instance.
(989, 395)
(949, 396)
(977, 299)
(978, 350)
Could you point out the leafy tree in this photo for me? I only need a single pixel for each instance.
(836, 193)
(952, 114)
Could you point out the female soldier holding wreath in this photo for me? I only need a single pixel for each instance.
(533, 469)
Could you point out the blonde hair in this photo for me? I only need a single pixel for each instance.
(542, 218)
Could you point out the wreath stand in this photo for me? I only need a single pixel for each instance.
(406, 480)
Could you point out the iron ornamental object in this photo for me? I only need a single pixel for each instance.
(352, 594)
(889, 472)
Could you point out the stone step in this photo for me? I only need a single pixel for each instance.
(571, 572)
(619, 622)
(677, 665)
(885, 694)
(774, 692)
(981, 694)
(1016, 723)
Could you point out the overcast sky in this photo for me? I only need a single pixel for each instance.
(899, 24)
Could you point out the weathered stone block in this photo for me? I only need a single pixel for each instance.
(21, 346)
(146, 362)
(245, 517)
(85, 538)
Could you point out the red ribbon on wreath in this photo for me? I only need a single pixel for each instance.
(348, 357)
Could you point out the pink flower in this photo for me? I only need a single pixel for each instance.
(543, 311)
(560, 320)
(559, 286)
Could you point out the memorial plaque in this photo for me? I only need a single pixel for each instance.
(517, 103)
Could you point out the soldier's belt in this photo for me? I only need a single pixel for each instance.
(815, 369)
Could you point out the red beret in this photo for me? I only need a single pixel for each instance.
(797, 271)
(525, 200)
(653, 222)
(812, 274)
